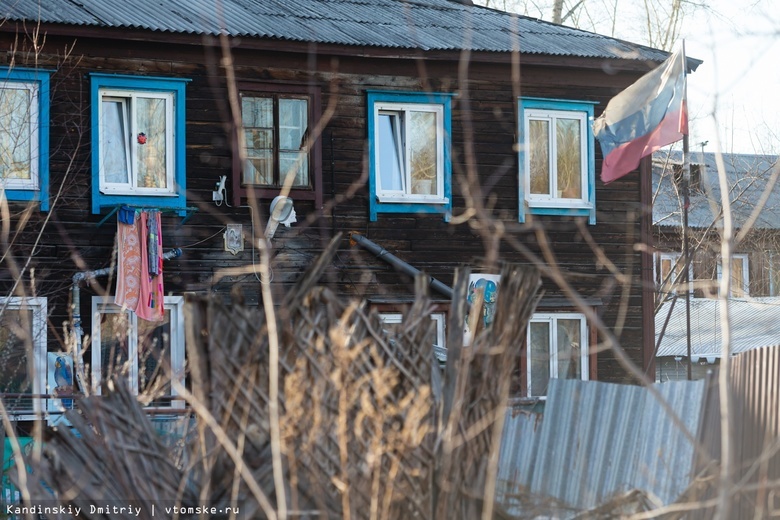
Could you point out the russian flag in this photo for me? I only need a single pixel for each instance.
(649, 114)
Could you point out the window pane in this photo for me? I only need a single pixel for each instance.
(151, 157)
(774, 276)
(539, 354)
(259, 168)
(297, 163)
(422, 152)
(569, 341)
(569, 160)
(154, 358)
(114, 142)
(15, 138)
(15, 358)
(257, 114)
(539, 156)
(114, 344)
(293, 124)
(389, 152)
(738, 277)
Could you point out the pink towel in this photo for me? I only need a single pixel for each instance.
(150, 303)
(128, 280)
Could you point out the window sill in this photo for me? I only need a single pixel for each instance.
(560, 204)
(411, 200)
(138, 193)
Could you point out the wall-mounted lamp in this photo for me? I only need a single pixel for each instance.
(282, 212)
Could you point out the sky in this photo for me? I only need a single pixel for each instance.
(739, 81)
(739, 43)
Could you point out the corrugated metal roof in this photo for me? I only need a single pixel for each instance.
(596, 441)
(747, 176)
(753, 325)
(419, 24)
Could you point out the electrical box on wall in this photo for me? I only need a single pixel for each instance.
(234, 239)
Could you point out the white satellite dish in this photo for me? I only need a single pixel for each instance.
(281, 212)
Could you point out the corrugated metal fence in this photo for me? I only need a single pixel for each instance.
(612, 449)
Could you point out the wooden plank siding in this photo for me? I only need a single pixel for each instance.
(71, 241)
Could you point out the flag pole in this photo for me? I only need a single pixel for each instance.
(686, 205)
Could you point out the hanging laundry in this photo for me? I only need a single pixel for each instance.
(150, 303)
(128, 280)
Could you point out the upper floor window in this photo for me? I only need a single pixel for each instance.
(138, 155)
(147, 354)
(773, 275)
(740, 275)
(278, 142)
(668, 272)
(409, 153)
(556, 158)
(22, 355)
(24, 135)
(556, 347)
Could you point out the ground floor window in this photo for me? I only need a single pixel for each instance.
(22, 355)
(148, 355)
(556, 347)
(392, 320)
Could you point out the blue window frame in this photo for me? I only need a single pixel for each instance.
(138, 144)
(556, 158)
(24, 135)
(410, 170)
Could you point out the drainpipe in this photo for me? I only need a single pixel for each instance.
(75, 291)
(397, 263)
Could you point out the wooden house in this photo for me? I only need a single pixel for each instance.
(447, 134)
(754, 202)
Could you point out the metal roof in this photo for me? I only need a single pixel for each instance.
(753, 325)
(747, 177)
(594, 442)
(403, 24)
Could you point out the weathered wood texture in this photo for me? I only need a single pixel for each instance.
(68, 239)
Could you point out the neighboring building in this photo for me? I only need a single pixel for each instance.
(366, 106)
(755, 262)
(753, 325)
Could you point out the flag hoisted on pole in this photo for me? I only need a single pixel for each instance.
(647, 115)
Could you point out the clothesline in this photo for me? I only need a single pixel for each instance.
(189, 209)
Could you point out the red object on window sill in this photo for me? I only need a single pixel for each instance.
(141, 138)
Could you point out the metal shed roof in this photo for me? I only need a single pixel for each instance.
(403, 24)
(747, 177)
(753, 325)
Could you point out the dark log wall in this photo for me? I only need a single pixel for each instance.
(484, 124)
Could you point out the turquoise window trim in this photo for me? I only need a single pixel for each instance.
(428, 98)
(42, 78)
(101, 201)
(552, 105)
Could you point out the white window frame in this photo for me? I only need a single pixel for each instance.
(106, 305)
(404, 195)
(551, 319)
(34, 125)
(744, 258)
(39, 343)
(439, 318)
(774, 266)
(127, 100)
(672, 257)
(551, 200)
